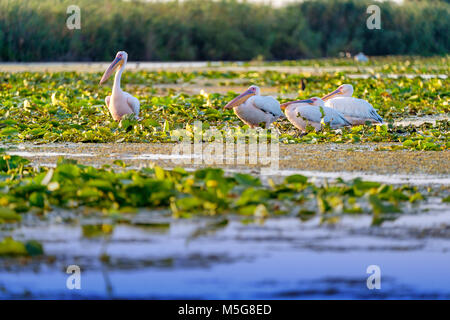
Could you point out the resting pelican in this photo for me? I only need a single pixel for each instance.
(345, 90)
(356, 111)
(252, 108)
(119, 102)
(312, 112)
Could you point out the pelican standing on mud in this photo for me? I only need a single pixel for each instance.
(356, 111)
(253, 109)
(119, 102)
(313, 112)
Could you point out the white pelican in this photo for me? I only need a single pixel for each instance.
(302, 113)
(356, 111)
(253, 109)
(345, 90)
(119, 102)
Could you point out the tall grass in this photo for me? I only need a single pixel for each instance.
(35, 30)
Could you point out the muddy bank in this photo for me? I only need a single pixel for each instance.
(364, 72)
(325, 158)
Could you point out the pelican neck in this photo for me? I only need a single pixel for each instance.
(117, 77)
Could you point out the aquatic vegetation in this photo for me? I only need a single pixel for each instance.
(382, 64)
(11, 247)
(422, 137)
(204, 192)
(69, 106)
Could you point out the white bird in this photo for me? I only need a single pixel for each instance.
(253, 109)
(119, 102)
(361, 57)
(345, 90)
(313, 112)
(356, 111)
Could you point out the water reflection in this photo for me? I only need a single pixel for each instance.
(217, 258)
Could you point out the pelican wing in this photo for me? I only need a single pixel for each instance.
(355, 108)
(316, 114)
(268, 104)
(133, 103)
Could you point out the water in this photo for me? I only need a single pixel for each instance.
(274, 259)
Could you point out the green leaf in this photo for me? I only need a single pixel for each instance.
(67, 171)
(120, 163)
(159, 173)
(9, 215)
(10, 247)
(378, 207)
(37, 199)
(34, 248)
(247, 180)
(9, 131)
(296, 178)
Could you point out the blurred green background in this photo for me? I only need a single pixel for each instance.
(35, 30)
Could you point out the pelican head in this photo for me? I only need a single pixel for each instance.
(345, 90)
(314, 101)
(240, 99)
(120, 59)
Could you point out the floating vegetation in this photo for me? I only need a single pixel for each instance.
(69, 106)
(204, 192)
(11, 247)
(382, 64)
